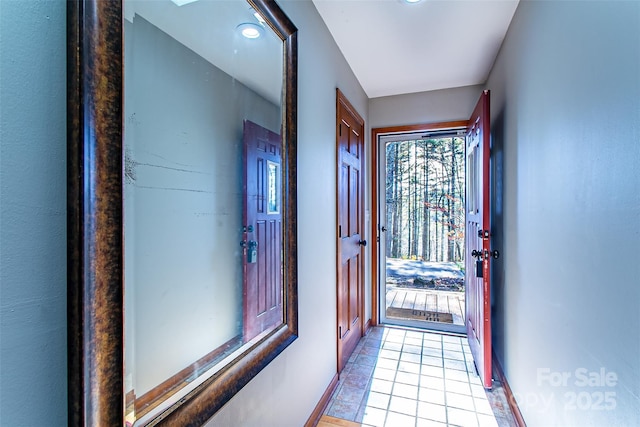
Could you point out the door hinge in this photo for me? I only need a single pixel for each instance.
(339, 231)
(340, 332)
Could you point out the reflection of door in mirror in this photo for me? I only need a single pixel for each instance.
(189, 306)
(262, 293)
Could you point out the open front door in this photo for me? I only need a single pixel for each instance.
(478, 234)
(262, 230)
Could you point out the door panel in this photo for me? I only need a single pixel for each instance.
(350, 146)
(262, 221)
(354, 211)
(478, 249)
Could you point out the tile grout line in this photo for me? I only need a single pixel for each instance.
(444, 383)
(473, 400)
(408, 357)
(388, 405)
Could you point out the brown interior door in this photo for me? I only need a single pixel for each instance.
(478, 230)
(350, 147)
(262, 230)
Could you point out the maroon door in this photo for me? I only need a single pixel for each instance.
(350, 147)
(478, 233)
(262, 230)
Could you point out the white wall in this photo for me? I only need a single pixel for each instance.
(424, 107)
(286, 392)
(183, 203)
(33, 358)
(566, 134)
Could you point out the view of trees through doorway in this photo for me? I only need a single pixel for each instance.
(422, 237)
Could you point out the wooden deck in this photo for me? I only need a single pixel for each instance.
(327, 421)
(428, 300)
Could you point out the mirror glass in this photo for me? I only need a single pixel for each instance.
(203, 173)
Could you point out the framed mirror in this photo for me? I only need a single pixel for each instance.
(182, 254)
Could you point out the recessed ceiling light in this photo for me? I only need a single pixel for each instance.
(412, 1)
(183, 2)
(250, 31)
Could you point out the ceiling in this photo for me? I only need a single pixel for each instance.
(394, 47)
(209, 28)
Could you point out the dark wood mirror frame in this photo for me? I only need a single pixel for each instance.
(95, 225)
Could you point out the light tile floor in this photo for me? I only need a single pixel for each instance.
(398, 378)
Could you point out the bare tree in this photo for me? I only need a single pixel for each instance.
(425, 199)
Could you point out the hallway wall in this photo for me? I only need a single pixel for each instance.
(33, 214)
(286, 392)
(33, 274)
(424, 107)
(566, 131)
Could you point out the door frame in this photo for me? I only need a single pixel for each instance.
(342, 103)
(375, 220)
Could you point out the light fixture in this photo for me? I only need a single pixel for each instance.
(183, 2)
(249, 30)
(412, 1)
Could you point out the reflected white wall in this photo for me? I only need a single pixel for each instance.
(183, 203)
